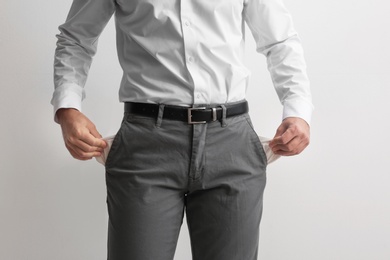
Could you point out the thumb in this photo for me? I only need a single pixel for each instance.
(281, 129)
(101, 143)
(278, 135)
(95, 132)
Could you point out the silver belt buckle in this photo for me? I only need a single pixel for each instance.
(189, 110)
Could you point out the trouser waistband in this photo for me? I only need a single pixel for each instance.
(191, 115)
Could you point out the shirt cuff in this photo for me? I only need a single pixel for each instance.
(298, 108)
(67, 96)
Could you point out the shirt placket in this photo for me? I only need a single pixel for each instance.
(192, 57)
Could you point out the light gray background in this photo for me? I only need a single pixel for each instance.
(331, 202)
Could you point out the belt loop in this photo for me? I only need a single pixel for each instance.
(214, 110)
(160, 115)
(223, 119)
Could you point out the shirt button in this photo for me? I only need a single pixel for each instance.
(190, 59)
(187, 23)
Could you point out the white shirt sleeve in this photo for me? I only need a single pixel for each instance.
(273, 31)
(76, 45)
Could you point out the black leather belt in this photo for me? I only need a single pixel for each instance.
(197, 115)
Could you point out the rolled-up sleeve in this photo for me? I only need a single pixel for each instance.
(76, 45)
(276, 38)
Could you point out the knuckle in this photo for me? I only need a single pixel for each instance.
(81, 135)
(293, 128)
(91, 149)
(78, 133)
(83, 154)
(95, 143)
(70, 140)
(284, 140)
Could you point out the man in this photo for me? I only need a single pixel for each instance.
(186, 141)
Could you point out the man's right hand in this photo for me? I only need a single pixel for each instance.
(80, 135)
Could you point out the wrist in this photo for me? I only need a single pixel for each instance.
(63, 113)
(296, 120)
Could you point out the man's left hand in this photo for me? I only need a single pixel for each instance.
(291, 137)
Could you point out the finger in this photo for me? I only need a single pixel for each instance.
(94, 132)
(98, 138)
(83, 146)
(285, 138)
(281, 129)
(286, 147)
(77, 143)
(294, 147)
(279, 132)
(290, 153)
(93, 141)
(82, 155)
(78, 154)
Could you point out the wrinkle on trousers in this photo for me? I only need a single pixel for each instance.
(216, 174)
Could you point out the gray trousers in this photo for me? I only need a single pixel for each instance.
(157, 169)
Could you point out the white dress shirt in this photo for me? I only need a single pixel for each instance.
(183, 52)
